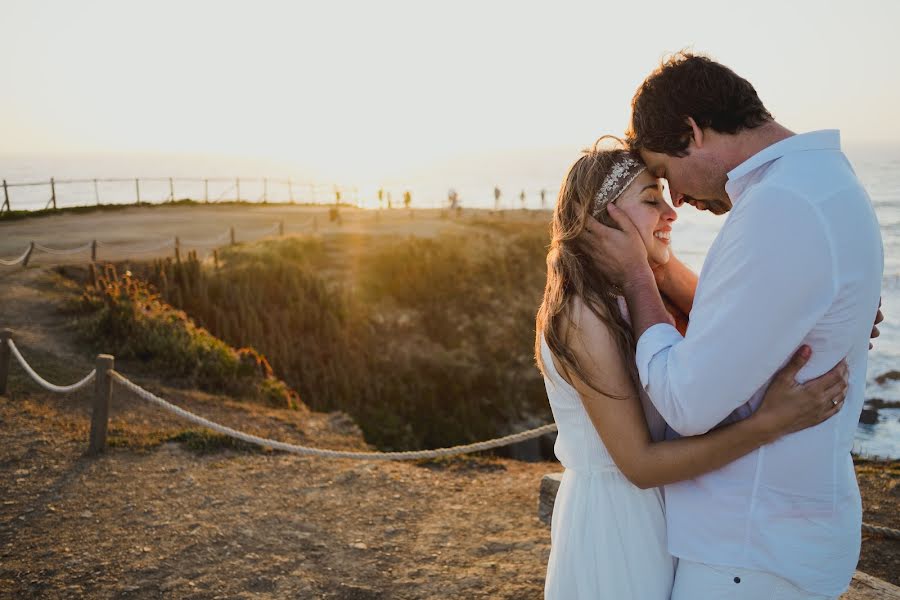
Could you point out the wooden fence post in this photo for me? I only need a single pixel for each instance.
(177, 249)
(5, 355)
(28, 254)
(206, 190)
(231, 230)
(53, 192)
(5, 198)
(280, 228)
(93, 250)
(265, 191)
(237, 185)
(137, 189)
(171, 190)
(96, 193)
(102, 397)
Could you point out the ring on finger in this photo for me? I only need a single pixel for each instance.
(834, 401)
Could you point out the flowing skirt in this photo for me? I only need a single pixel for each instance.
(607, 540)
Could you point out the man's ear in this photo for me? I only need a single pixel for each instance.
(697, 133)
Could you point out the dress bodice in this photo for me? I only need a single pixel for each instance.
(578, 445)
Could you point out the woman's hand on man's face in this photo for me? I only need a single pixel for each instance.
(616, 252)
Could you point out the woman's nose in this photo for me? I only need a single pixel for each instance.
(670, 214)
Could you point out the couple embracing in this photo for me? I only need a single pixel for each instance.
(706, 424)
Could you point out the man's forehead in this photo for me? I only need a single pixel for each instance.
(657, 163)
(652, 159)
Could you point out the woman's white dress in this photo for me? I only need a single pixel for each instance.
(608, 537)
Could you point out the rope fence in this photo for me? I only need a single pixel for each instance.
(228, 237)
(104, 375)
(59, 389)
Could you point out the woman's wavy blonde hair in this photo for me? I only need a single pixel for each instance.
(570, 271)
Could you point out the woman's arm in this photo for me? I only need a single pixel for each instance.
(619, 417)
(680, 317)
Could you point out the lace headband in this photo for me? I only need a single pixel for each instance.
(623, 172)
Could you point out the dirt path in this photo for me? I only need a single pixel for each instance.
(125, 231)
(172, 523)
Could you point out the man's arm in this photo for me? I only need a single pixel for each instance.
(770, 282)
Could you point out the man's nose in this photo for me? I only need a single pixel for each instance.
(677, 198)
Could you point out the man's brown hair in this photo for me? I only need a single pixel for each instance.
(690, 85)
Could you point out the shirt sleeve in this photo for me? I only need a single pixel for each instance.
(770, 280)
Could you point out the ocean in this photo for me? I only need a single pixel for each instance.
(474, 179)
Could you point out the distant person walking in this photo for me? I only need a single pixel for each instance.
(522, 199)
(543, 198)
(496, 198)
(407, 199)
(453, 199)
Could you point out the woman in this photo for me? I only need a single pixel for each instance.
(608, 528)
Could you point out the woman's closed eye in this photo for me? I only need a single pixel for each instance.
(652, 198)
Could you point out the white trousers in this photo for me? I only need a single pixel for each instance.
(699, 581)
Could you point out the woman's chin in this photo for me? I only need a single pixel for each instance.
(658, 258)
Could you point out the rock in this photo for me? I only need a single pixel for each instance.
(866, 587)
(889, 376)
(549, 487)
(868, 416)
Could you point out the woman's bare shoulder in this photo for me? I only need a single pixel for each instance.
(588, 318)
(593, 342)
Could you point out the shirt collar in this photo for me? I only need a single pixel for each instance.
(826, 139)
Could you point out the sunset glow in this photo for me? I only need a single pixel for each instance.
(370, 91)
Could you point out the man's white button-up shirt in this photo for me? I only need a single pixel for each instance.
(799, 260)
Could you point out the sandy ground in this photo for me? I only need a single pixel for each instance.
(155, 519)
(131, 229)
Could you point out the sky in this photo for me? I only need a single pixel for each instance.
(378, 89)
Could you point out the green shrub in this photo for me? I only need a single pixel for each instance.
(424, 342)
(125, 316)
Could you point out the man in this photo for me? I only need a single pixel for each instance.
(798, 261)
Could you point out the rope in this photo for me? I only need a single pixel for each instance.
(887, 532)
(65, 251)
(305, 450)
(60, 389)
(10, 263)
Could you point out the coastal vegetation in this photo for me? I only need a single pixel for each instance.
(426, 342)
(125, 316)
